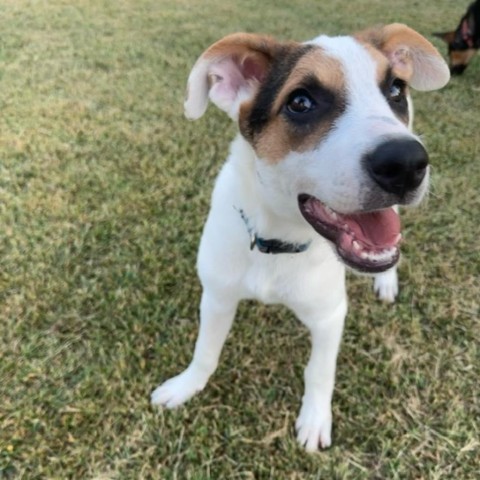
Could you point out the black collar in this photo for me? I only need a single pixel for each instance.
(271, 245)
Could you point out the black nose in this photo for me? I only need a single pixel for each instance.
(398, 166)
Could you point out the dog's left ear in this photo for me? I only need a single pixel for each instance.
(229, 73)
(411, 56)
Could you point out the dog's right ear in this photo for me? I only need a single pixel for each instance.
(412, 57)
(229, 73)
(447, 37)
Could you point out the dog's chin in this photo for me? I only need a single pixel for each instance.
(367, 241)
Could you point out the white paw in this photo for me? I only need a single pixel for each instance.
(179, 389)
(314, 425)
(385, 285)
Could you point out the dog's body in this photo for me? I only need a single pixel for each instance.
(463, 42)
(324, 147)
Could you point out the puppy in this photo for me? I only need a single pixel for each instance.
(323, 154)
(463, 42)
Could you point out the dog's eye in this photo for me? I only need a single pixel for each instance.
(397, 90)
(300, 102)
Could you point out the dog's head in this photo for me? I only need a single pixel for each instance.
(329, 123)
(463, 42)
(460, 50)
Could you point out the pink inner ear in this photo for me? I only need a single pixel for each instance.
(401, 62)
(253, 69)
(227, 80)
(230, 77)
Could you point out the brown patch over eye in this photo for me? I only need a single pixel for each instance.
(301, 112)
(381, 61)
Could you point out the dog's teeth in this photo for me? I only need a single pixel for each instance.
(331, 212)
(376, 257)
(356, 245)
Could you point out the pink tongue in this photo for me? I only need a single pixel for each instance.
(378, 229)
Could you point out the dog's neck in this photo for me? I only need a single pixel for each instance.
(263, 222)
(271, 245)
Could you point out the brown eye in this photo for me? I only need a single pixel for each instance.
(397, 90)
(300, 102)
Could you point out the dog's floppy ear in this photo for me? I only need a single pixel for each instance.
(447, 37)
(228, 73)
(411, 56)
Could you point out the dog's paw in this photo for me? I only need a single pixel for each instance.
(385, 285)
(179, 389)
(314, 426)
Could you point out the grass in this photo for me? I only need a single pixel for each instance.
(103, 191)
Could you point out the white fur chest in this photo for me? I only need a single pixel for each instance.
(293, 279)
(266, 280)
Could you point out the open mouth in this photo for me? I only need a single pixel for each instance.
(368, 242)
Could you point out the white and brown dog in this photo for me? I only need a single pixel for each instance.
(324, 154)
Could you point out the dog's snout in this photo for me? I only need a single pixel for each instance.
(398, 166)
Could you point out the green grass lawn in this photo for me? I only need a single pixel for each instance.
(104, 187)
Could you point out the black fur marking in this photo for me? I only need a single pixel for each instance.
(467, 34)
(390, 86)
(327, 104)
(283, 64)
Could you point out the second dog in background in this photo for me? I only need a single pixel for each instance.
(463, 42)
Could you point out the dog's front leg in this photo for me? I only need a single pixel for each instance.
(314, 423)
(216, 318)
